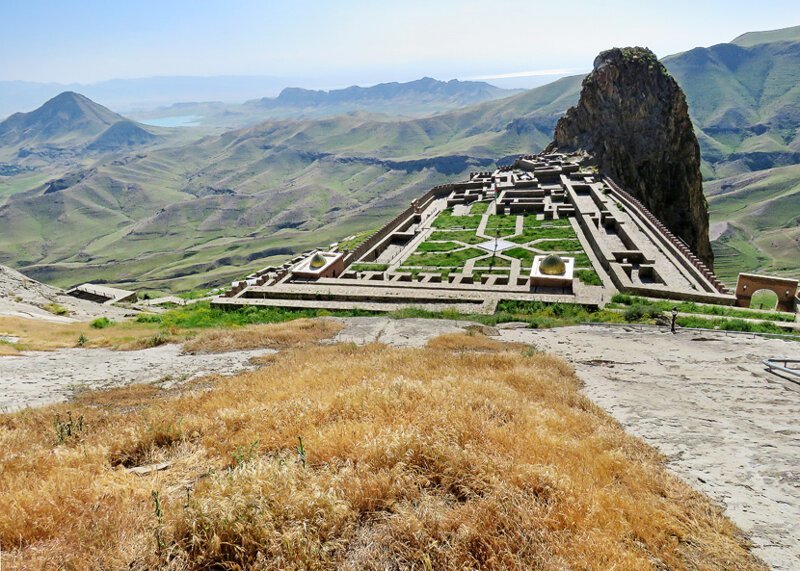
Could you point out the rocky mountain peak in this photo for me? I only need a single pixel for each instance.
(68, 115)
(633, 119)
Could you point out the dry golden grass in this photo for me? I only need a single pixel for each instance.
(411, 459)
(273, 336)
(7, 349)
(473, 340)
(38, 335)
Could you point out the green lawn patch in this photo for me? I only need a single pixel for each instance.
(559, 246)
(438, 246)
(582, 260)
(501, 225)
(496, 263)
(476, 275)
(530, 221)
(588, 277)
(521, 254)
(443, 259)
(479, 207)
(368, 267)
(536, 233)
(447, 220)
(445, 273)
(465, 236)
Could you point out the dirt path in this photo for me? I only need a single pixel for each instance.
(728, 427)
(37, 377)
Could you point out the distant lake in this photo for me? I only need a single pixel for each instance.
(176, 121)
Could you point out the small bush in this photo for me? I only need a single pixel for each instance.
(67, 429)
(148, 318)
(157, 340)
(639, 311)
(101, 323)
(56, 309)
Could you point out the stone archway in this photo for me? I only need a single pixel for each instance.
(784, 288)
(764, 299)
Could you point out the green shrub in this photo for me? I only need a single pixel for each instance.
(56, 309)
(639, 312)
(101, 323)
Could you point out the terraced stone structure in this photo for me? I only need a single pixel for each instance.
(466, 246)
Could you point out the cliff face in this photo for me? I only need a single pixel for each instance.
(633, 119)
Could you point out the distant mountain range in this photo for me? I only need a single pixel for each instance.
(422, 97)
(192, 208)
(225, 94)
(426, 93)
(142, 93)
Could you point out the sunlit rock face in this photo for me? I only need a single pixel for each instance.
(632, 118)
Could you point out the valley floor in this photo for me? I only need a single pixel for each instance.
(704, 400)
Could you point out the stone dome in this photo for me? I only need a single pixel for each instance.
(552, 265)
(317, 261)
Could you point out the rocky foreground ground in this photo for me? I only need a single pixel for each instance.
(725, 424)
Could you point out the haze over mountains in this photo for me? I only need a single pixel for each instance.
(144, 95)
(175, 208)
(414, 98)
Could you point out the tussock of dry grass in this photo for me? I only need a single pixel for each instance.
(473, 340)
(8, 349)
(272, 336)
(414, 458)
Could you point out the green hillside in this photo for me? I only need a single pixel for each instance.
(755, 222)
(771, 36)
(203, 212)
(744, 99)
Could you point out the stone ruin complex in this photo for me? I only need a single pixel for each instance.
(466, 246)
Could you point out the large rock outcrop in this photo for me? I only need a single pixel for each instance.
(633, 119)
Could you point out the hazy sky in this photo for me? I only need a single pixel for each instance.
(354, 41)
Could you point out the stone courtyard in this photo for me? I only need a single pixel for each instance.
(466, 246)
